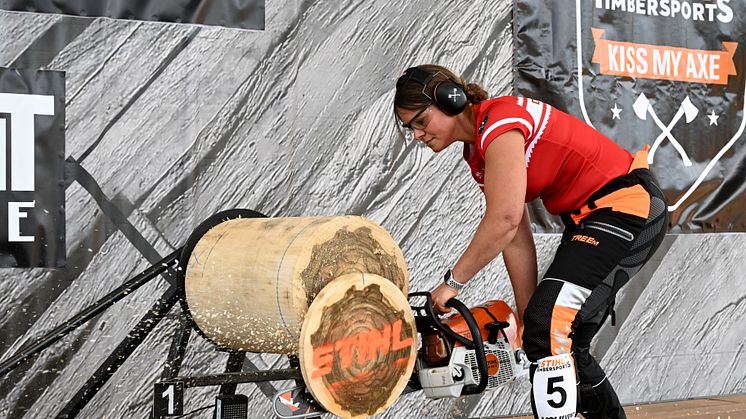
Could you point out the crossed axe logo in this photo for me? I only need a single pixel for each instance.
(642, 108)
(455, 95)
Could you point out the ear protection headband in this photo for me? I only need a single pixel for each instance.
(449, 96)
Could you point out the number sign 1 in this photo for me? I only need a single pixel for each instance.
(168, 399)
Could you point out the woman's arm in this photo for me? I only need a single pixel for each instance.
(520, 261)
(505, 192)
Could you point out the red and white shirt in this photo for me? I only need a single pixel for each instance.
(566, 159)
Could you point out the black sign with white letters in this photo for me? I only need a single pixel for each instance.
(670, 74)
(32, 164)
(245, 14)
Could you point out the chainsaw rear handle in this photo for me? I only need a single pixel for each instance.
(434, 320)
(475, 343)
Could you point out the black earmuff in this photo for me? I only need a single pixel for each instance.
(448, 94)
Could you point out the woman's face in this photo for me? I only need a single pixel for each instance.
(431, 126)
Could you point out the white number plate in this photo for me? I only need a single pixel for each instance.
(555, 387)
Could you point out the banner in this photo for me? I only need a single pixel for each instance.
(246, 14)
(32, 168)
(668, 73)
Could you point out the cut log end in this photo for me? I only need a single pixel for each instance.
(349, 251)
(358, 345)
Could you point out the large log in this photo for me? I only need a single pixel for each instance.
(358, 345)
(249, 281)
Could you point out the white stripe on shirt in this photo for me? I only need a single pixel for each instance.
(543, 126)
(506, 121)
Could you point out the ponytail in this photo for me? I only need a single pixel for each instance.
(475, 93)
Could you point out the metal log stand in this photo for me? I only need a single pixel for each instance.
(168, 395)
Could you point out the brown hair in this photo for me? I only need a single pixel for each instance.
(411, 95)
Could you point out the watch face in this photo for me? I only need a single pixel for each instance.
(448, 279)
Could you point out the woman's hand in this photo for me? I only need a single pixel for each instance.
(441, 294)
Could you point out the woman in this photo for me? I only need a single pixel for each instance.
(615, 216)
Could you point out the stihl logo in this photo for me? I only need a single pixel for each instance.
(493, 365)
(357, 350)
(17, 148)
(553, 364)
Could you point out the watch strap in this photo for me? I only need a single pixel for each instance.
(448, 280)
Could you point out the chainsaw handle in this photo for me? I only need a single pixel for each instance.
(475, 343)
(434, 320)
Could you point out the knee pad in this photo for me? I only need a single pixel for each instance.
(600, 401)
(536, 330)
(554, 387)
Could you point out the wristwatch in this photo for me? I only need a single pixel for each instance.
(448, 279)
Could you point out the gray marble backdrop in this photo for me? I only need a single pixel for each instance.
(174, 123)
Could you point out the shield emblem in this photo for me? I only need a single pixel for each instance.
(666, 74)
(680, 94)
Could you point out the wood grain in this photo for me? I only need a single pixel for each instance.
(249, 282)
(358, 345)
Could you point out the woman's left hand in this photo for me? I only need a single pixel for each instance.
(441, 294)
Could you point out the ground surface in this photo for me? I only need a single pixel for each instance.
(726, 407)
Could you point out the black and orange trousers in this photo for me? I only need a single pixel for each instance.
(604, 244)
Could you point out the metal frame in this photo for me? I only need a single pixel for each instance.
(123, 351)
(92, 311)
(167, 268)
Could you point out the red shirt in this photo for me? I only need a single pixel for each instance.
(566, 159)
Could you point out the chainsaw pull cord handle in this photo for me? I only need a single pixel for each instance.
(477, 343)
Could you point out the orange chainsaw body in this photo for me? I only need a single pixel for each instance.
(489, 312)
(436, 346)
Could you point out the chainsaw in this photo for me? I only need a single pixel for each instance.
(470, 352)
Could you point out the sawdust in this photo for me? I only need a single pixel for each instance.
(349, 252)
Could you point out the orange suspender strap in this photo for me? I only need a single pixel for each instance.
(640, 160)
(633, 200)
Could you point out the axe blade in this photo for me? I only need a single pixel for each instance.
(641, 106)
(690, 111)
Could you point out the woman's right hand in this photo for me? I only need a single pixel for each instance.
(440, 295)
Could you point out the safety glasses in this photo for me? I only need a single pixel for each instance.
(412, 125)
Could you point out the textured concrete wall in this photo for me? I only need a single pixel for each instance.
(175, 123)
